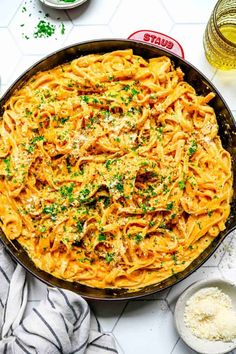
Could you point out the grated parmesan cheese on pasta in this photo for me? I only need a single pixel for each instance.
(209, 315)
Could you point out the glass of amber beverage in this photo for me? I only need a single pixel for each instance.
(220, 36)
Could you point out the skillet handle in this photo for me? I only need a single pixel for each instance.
(159, 40)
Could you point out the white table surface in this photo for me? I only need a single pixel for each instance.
(145, 325)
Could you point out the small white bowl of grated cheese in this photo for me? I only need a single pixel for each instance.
(205, 316)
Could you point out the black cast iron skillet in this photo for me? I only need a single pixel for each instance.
(227, 132)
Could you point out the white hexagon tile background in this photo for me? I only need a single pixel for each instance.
(145, 325)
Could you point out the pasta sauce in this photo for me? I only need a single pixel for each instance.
(112, 172)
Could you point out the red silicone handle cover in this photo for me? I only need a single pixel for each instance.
(158, 39)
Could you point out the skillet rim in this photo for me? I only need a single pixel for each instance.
(21, 257)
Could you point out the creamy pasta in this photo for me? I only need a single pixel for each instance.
(112, 170)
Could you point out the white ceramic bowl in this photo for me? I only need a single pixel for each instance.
(56, 4)
(203, 346)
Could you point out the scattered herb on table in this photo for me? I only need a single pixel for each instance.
(44, 29)
(62, 28)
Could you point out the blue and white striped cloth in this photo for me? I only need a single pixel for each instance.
(59, 324)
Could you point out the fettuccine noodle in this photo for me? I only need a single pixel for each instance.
(112, 172)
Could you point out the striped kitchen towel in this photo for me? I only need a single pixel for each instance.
(59, 324)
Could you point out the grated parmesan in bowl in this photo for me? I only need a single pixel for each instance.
(209, 314)
(205, 316)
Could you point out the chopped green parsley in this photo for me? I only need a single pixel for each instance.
(109, 257)
(170, 206)
(101, 237)
(138, 238)
(44, 29)
(181, 185)
(193, 148)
